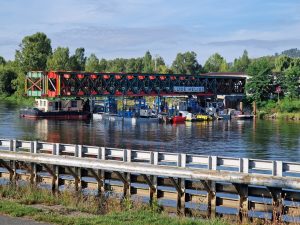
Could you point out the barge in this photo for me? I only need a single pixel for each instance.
(75, 109)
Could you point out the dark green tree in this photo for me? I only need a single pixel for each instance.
(2, 61)
(103, 65)
(117, 65)
(259, 83)
(59, 60)
(7, 76)
(186, 63)
(148, 66)
(134, 65)
(241, 64)
(215, 63)
(282, 63)
(34, 51)
(292, 82)
(92, 64)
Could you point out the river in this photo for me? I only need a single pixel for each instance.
(262, 139)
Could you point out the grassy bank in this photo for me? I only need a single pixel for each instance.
(287, 109)
(13, 99)
(69, 208)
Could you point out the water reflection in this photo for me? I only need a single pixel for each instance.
(253, 139)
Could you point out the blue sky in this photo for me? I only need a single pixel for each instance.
(128, 28)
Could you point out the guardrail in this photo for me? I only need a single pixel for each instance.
(242, 165)
(187, 179)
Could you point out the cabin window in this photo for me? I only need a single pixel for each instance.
(74, 104)
(57, 105)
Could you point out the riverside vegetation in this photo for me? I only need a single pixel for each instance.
(73, 208)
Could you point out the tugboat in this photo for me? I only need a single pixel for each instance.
(70, 109)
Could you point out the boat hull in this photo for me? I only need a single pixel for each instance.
(178, 119)
(63, 115)
(114, 117)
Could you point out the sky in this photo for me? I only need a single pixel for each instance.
(128, 28)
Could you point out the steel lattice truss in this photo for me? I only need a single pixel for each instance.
(73, 84)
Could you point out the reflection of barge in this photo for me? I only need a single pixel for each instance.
(58, 109)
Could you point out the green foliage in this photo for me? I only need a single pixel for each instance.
(117, 65)
(241, 64)
(186, 63)
(6, 77)
(215, 63)
(33, 53)
(2, 61)
(288, 105)
(92, 64)
(102, 65)
(292, 82)
(59, 60)
(282, 63)
(134, 65)
(148, 66)
(259, 83)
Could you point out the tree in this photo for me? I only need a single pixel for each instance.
(59, 60)
(34, 51)
(186, 63)
(92, 63)
(282, 63)
(291, 82)
(134, 65)
(241, 64)
(117, 65)
(2, 61)
(215, 63)
(259, 83)
(148, 63)
(103, 65)
(7, 75)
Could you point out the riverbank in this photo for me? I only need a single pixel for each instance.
(69, 208)
(285, 109)
(13, 99)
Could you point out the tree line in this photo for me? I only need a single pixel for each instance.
(35, 53)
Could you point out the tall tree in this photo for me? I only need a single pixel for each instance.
(291, 82)
(134, 65)
(59, 60)
(92, 64)
(215, 63)
(80, 58)
(241, 64)
(186, 63)
(259, 83)
(34, 51)
(148, 66)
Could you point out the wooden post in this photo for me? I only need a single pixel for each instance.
(211, 199)
(242, 190)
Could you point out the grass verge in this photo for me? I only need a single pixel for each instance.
(131, 217)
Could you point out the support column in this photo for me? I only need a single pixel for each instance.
(242, 190)
(278, 209)
(211, 199)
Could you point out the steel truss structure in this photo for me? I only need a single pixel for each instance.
(79, 84)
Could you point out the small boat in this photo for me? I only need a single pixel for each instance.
(77, 109)
(241, 116)
(179, 118)
(197, 117)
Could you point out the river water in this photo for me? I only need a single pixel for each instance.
(252, 139)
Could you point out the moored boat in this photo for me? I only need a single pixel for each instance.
(76, 109)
